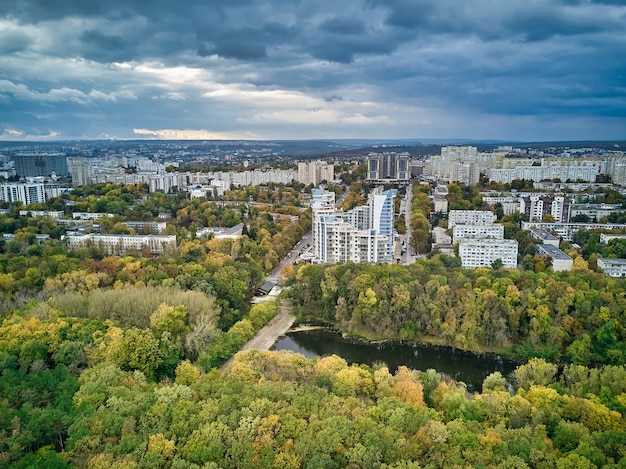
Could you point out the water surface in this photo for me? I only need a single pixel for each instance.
(468, 367)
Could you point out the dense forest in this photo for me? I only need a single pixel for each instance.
(115, 362)
(576, 317)
(80, 392)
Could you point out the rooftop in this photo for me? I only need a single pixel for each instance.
(554, 253)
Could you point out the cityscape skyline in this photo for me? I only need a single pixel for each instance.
(399, 69)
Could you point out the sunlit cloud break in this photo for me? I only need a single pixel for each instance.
(191, 134)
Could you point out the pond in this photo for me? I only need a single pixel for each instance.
(468, 367)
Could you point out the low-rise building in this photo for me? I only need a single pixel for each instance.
(595, 212)
(606, 237)
(612, 267)
(443, 241)
(148, 245)
(567, 230)
(42, 213)
(90, 215)
(220, 232)
(558, 259)
(545, 237)
(147, 227)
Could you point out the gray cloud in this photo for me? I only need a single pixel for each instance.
(246, 65)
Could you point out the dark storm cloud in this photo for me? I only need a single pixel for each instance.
(243, 43)
(101, 40)
(513, 58)
(104, 47)
(343, 26)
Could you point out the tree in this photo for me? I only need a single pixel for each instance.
(494, 382)
(537, 372)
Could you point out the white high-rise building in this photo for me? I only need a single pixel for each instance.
(382, 217)
(27, 193)
(364, 234)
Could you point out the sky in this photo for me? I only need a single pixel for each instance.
(523, 70)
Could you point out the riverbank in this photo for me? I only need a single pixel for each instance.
(364, 335)
(468, 367)
(269, 334)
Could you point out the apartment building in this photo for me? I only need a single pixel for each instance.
(314, 172)
(440, 199)
(388, 166)
(564, 169)
(364, 234)
(537, 206)
(479, 231)
(596, 212)
(148, 245)
(612, 267)
(567, 230)
(483, 252)
(27, 193)
(545, 237)
(42, 213)
(147, 227)
(470, 217)
(606, 237)
(510, 204)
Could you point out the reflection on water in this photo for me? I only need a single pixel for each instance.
(463, 366)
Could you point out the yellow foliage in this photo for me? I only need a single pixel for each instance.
(159, 444)
(489, 439)
(331, 364)
(187, 373)
(244, 370)
(408, 388)
(106, 461)
(354, 381)
(580, 265)
(383, 381)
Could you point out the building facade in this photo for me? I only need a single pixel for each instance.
(149, 245)
(567, 230)
(364, 234)
(27, 193)
(388, 166)
(314, 172)
(563, 169)
(470, 217)
(484, 252)
(481, 231)
(537, 206)
(33, 165)
(612, 267)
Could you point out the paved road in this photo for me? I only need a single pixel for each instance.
(269, 334)
(292, 257)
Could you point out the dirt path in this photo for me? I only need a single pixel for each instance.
(267, 336)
